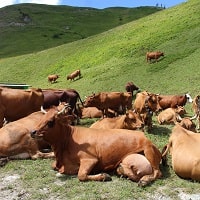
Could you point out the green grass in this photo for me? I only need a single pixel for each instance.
(107, 61)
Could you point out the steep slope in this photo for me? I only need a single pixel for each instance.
(110, 59)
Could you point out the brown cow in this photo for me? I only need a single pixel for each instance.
(131, 120)
(55, 96)
(188, 124)
(172, 101)
(184, 148)
(134, 167)
(153, 55)
(131, 87)
(52, 78)
(87, 151)
(17, 103)
(117, 101)
(16, 142)
(74, 74)
(170, 115)
(145, 104)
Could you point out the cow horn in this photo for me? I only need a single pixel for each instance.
(194, 117)
(62, 111)
(43, 110)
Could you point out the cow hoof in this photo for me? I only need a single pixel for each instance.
(107, 177)
(3, 162)
(142, 183)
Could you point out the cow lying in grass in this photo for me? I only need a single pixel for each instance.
(91, 153)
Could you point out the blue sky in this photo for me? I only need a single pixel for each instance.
(97, 3)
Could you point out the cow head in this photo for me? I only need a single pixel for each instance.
(91, 101)
(189, 98)
(152, 102)
(133, 120)
(51, 123)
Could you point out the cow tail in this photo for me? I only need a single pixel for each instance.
(164, 154)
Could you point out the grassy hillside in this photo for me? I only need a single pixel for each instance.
(27, 28)
(110, 59)
(107, 61)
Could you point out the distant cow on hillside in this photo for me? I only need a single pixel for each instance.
(74, 74)
(52, 78)
(153, 55)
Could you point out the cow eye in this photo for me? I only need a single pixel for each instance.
(50, 124)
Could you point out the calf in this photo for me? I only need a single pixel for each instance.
(134, 166)
(170, 116)
(74, 74)
(153, 55)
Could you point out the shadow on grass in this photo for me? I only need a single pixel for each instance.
(160, 130)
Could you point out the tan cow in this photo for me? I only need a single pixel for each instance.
(184, 148)
(16, 141)
(18, 103)
(170, 116)
(88, 152)
(188, 124)
(134, 167)
(52, 78)
(196, 109)
(131, 120)
(146, 104)
(153, 55)
(73, 75)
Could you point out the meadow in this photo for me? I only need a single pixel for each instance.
(107, 61)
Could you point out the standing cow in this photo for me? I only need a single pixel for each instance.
(17, 103)
(117, 101)
(52, 78)
(131, 87)
(145, 104)
(153, 55)
(73, 75)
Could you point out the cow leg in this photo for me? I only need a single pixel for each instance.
(42, 155)
(86, 166)
(154, 157)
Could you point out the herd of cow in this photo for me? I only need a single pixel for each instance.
(43, 123)
(52, 78)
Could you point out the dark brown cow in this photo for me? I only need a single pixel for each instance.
(73, 75)
(117, 101)
(172, 101)
(184, 148)
(145, 104)
(55, 96)
(17, 103)
(52, 78)
(131, 120)
(87, 151)
(16, 142)
(134, 167)
(153, 55)
(131, 87)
